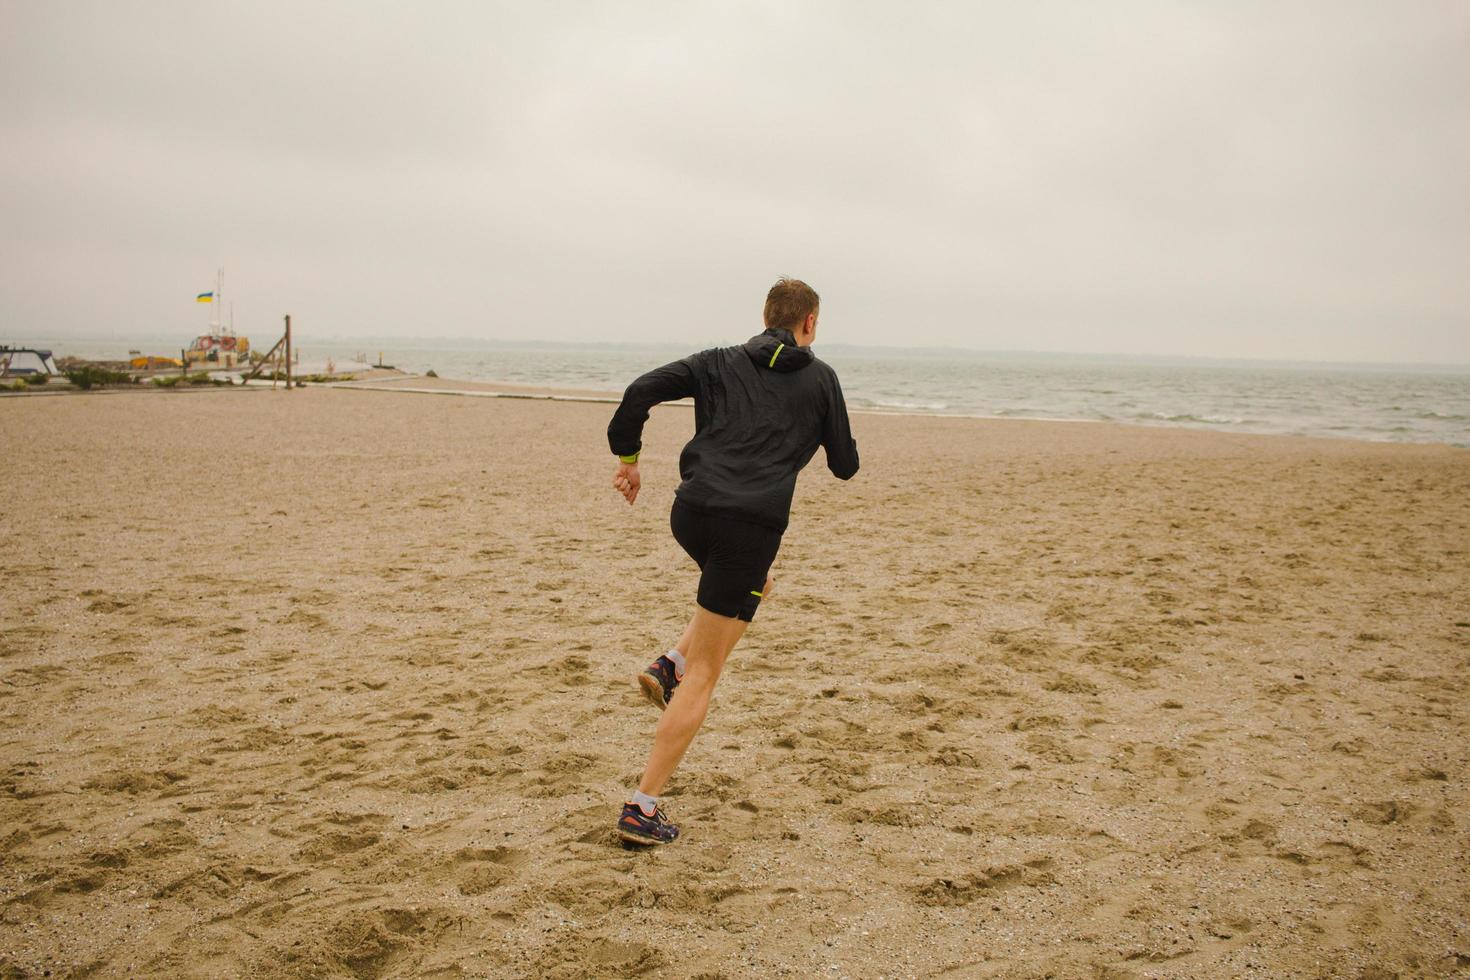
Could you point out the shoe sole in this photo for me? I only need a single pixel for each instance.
(653, 690)
(630, 838)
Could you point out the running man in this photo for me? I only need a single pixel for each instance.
(760, 411)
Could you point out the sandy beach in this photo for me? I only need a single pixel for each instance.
(336, 683)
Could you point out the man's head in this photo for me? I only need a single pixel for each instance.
(793, 305)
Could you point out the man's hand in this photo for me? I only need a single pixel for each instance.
(625, 481)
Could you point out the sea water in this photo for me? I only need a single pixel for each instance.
(1413, 403)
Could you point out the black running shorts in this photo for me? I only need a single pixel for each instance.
(733, 557)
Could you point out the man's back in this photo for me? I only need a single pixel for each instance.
(761, 411)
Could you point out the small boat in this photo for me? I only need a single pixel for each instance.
(18, 362)
(220, 347)
(152, 362)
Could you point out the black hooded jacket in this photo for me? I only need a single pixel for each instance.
(760, 412)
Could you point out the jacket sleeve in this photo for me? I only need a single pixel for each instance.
(842, 453)
(668, 383)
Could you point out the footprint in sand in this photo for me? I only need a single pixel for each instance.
(962, 890)
(572, 956)
(481, 870)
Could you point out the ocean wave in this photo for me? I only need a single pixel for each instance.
(1205, 419)
(907, 406)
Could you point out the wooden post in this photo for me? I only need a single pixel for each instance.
(268, 361)
(184, 357)
(288, 352)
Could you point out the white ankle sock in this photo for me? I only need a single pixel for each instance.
(678, 659)
(648, 804)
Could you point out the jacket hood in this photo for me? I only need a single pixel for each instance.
(777, 350)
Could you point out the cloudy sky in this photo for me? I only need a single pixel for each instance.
(1222, 179)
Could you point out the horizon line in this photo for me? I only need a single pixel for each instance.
(410, 342)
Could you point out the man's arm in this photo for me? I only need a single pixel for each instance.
(842, 453)
(625, 431)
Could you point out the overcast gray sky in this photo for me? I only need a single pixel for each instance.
(1280, 180)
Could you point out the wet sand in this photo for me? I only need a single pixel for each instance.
(339, 683)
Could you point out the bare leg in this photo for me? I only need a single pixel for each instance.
(683, 645)
(711, 638)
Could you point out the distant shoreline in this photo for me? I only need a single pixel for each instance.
(506, 390)
(1363, 406)
(879, 351)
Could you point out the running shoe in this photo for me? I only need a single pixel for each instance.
(659, 681)
(635, 827)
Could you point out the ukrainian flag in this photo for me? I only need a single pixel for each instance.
(204, 298)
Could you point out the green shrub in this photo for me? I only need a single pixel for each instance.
(36, 379)
(86, 377)
(174, 380)
(301, 379)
